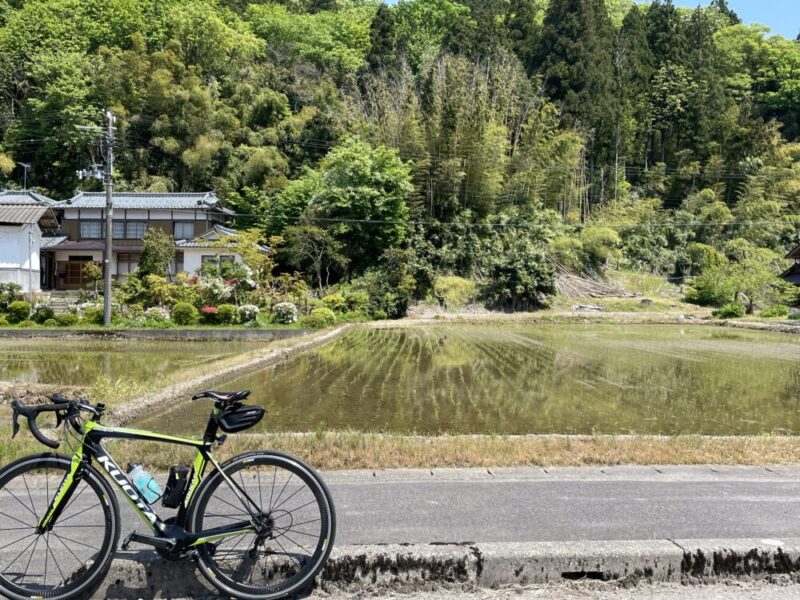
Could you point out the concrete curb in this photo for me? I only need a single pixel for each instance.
(406, 568)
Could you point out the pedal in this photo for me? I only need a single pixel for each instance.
(148, 540)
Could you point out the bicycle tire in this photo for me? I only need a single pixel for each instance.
(15, 489)
(208, 555)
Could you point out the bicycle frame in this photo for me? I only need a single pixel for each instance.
(172, 534)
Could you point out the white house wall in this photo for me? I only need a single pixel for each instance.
(19, 255)
(193, 257)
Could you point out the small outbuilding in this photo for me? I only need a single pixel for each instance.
(23, 232)
(792, 274)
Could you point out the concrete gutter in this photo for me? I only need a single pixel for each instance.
(467, 566)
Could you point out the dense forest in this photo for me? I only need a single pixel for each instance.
(390, 145)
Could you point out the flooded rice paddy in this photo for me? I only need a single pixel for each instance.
(79, 361)
(521, 379)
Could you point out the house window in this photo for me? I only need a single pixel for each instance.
(119, 230)
(178, 262)
(135, 230)
(92, 230)
(127, 263)
(184, 231)
(217, 258)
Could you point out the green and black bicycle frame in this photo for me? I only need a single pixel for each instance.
(171, 535)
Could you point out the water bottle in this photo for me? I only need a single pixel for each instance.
(144, 482)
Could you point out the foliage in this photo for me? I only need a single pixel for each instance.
(158, 251)
(92, 273)
(18, 310)
(319, 318)
(157, 314)
(9, 292)
(730, 311)
(42, 313)
(227, 314)
(454, 292)
(248, 313)
(317, 250)
(210, 314)
(3, 321)
(335, 302)
(67, 319)
(27, 323)
(94, 315)
(284, 313)
(775, 311)
(184, 313)
(50, 323)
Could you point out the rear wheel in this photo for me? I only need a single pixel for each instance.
(296, 526)
(69, 560)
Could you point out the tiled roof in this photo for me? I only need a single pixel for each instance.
(210, 239)
(794, 254)
(24, 197)
(22, 214)
(48, 241)
(147, 201)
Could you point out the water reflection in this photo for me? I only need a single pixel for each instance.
(532, 379)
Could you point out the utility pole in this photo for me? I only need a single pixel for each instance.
(108, 180)
(25, 167)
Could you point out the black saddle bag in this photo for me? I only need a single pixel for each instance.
(240, 417)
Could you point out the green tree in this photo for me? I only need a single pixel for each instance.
(383, 52)
(158, 251)
(316, 249)
(363, 193)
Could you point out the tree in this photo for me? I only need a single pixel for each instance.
(92, 273)
(363, 193)
(158, 251)
(250, 246)
(577, 65)
(383, 53)
(314, 247)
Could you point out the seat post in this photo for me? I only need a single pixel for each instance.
(212, 427)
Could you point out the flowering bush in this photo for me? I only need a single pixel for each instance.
(215, 289)
(248, 312)
(157, 314)
(209, 314)
(284, 313)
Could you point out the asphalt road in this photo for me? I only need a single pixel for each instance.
(566, 504)
(576, 504)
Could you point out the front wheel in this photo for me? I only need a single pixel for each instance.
(68, 561)
(297, 525)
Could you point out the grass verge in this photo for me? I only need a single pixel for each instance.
(351, 450)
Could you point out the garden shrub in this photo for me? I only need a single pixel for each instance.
(284, 313)
(226, 314)
(93, 315)
(3, 321)
(319, 318)
(67, 319)
(8, 293)
(209, 314)
(795, 316)
(248, 313)
(184, 313)
(134, 311)
(50, 323)
(454, 292)
(335, 302)
(42, 313)
(26, 323)
(156, 314)
(356, 300)
(730, 311)
(567, 251)
(19, 311)
(776, 310)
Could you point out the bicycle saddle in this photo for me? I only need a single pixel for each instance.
(223, 396)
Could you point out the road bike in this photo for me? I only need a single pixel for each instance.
(261, 525)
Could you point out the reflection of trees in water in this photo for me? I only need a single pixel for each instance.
(465, 379)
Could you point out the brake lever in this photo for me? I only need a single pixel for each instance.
(15, 421)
